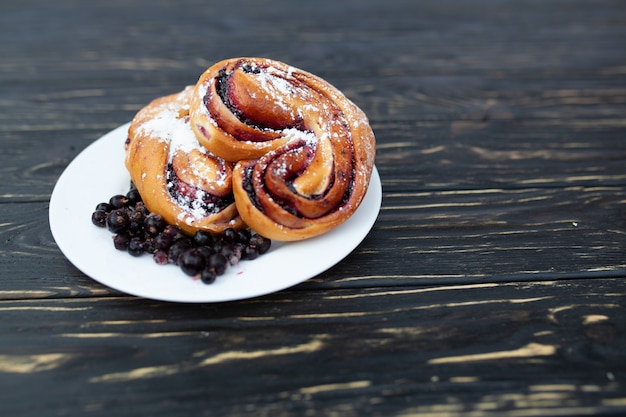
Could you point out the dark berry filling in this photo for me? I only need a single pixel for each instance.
(250, 68)
(248, 185)
(224, 93)
(204, 255)
(289, 206)
(221, 86)
(193, 197)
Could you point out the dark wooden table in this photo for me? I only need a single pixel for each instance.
(493, 282)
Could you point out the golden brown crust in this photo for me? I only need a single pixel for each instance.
(176, 177)
(305, 151)
(217, 127)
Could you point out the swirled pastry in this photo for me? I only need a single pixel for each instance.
(177, 177)
(304, 153)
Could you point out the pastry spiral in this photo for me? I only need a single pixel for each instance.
(177, 177)
(304, 153)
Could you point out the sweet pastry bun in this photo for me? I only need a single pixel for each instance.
(176, 176)
(303, 152)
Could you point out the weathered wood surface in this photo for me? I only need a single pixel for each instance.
(535, 348)
(493, 283)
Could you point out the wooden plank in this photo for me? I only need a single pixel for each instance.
(419, 238)
(474, 36)
(503, 150)
(492, 284)
(526, 110)
(518, 154)
(492, 235)
(545, 347)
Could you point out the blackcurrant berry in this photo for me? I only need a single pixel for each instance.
(260, 243)
(160, 257)
(230, 235)
(173, 231)
(203, 238)
(205, 251)
(154, 224)
(217, 263)
(232, 253)
(148, 244)
(208, 275)
(133, 196)
(104, 207)
(163, 241)
(117, 220)
(118, 201)
(249, 253)
(191, 262)
(141, 207)
(121, 240)
(177, 249)
(99, 218)
(217, 245)
(243, 236)
(135, 246)
(136, 221)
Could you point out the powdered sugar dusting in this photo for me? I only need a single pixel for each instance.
(280, 86)
(169, 127)
(196, 209)
(296, 134)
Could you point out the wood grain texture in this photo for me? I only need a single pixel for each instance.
(442, 237)
(464, 236)
(492, 284)
(418, 350)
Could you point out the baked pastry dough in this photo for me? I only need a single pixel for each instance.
(304, 153)
(177, 177)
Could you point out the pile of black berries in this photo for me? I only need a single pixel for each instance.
(138, 231)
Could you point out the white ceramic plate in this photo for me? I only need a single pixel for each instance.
(98, 172)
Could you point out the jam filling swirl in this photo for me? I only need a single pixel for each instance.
(302, 152)
(175, 175)
(193, 198)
